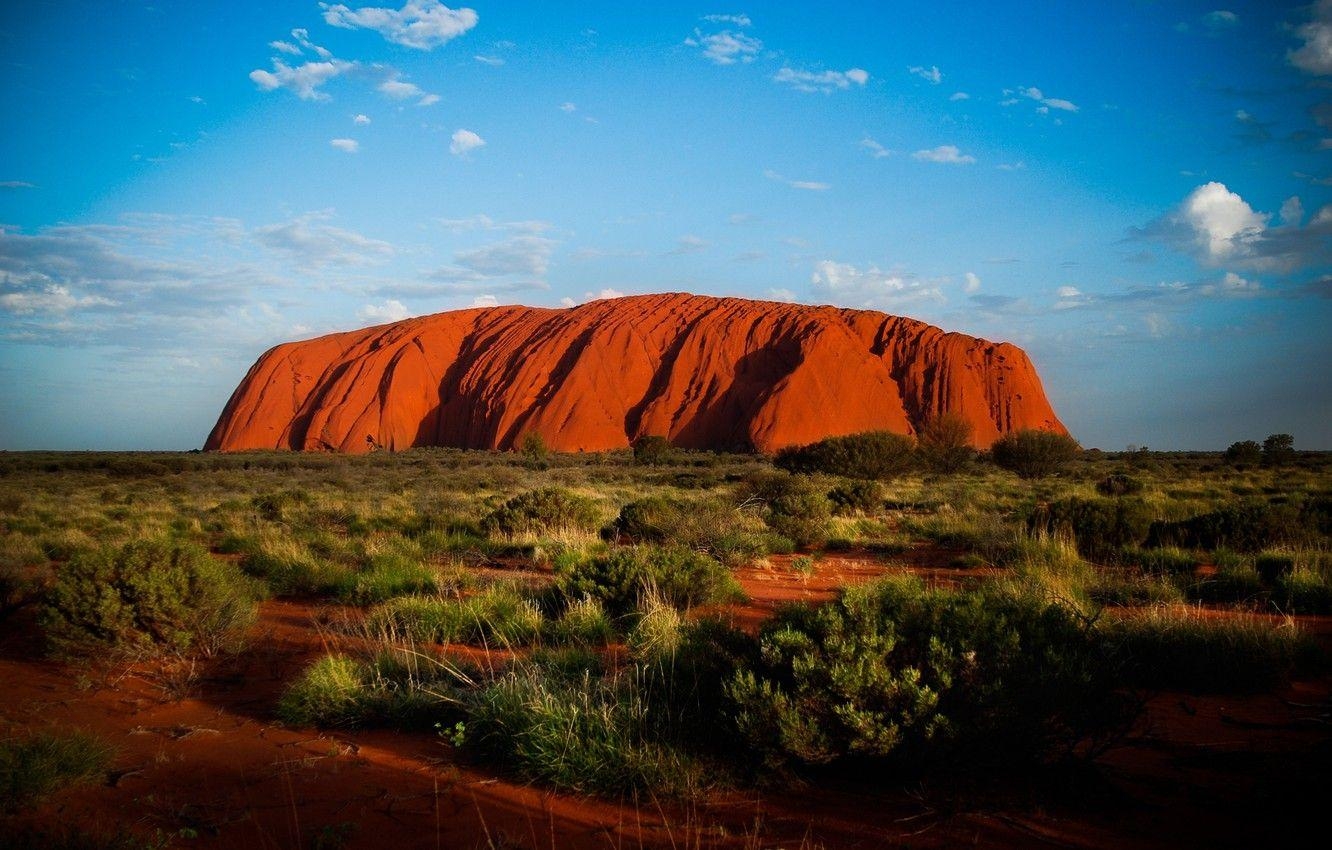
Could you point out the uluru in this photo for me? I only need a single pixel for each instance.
(704, 372)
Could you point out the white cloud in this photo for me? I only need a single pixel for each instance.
(398, 89)
(313, 244)
(1315, 55)
(784, 295)
(492, 61)
(875, 149)
(973, 283)
(740, 20)
(390, 311)
(946, 154)
(464, 142)
(822, 81)
(846, 282)
(1011, 166)
(285, 47)
(53, 298)
(518, 255)
(304, 80)
(959, 95)
(421, 24)
(931, 74)
(345, 145)
(481, 221)
(807, 185)
(1220, 19)
(1223, 223)
(485, 301)
(604, 294)
(428, 100)
(361, 120)
(302, 37)
(690, 244)
(1047, 103)
(568, 106)
(1292, 211)
(16, 184)
(726, 47)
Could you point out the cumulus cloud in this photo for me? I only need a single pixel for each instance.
(972, 284)
(568, 106)
(389, 311)
(399, 89)
(1033, 93)
(361, 120)
(870, 286)
(312, 243)
(726, 47)
(485, 301)
(945, 154)
(931, 74)
(303, 80)
(822, 81)
(420, 24)
(464, 142)
(604, 294)
(1315, 55)
(345, 145)
(518, 255)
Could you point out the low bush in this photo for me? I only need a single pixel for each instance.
(548, 511)
(945, 443)
(155, 595)
(385, 576)
(1247, 526)
(1034, 454)
(856, 497)
(653, 450)
(876, 455)
(796, 508)
(1119, 484)
(712, 526)
(1167, 561)
(1100, 527)
(1234, 585)
(619, 578)
(36, 765)
(925, 677)
(584, 622)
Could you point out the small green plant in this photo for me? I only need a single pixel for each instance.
(618, 579)
(583, 623)
(1119, 484)
(652, 450)
(331, 692)
(34, 766)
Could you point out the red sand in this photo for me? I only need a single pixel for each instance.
(713, 373)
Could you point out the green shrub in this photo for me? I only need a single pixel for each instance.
(546, 511)
(1034, 454)
(945, 443)
(796, 508)
(1306, 590)
(1234, 585)
(499, 615)
(584, 622)
(1278, 450)
(1167, 561)
(331, 692)
(878, 455)
(1247, 526)
(150, 594)
(1100, 527)
(1119, 484)
(386, 576)
(1118, 588)
(712, 526)
(1244, 454)
(36, 765)
(652, 450)
(892, 670)
(619, 578)
(856, 497)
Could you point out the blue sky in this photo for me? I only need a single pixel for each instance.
(1138, 193)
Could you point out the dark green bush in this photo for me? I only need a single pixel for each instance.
(1033, 453)
(681, 576)
(1278, 450)
(544, 511)
(877, 455)
(149, 594)
(1119, 484)
(713, 526)
(796, 508)
(856, 497)
(944, 443)
(926, 677)
(1244, 454)
(34, 766)
(1248, 526)
(1100, 527)
(652, 450)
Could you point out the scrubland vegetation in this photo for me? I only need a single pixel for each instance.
(564, 618)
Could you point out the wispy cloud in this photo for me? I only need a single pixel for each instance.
(313, 243)
(869, 286)
(1033, 93)
(807, 185)
(740, 20)
(420, 24)
(822, 81)
(690, 244)
(945, 154)
(931, 74)
(492, 61)
(875, 149)
(345, 145)
(16, 184)
(726, 47)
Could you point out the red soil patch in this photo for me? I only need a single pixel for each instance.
(1200, 771)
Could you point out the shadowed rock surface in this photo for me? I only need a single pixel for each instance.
(714, 373)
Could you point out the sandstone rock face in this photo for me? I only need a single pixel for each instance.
(716, 373)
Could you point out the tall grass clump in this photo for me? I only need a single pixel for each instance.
(385, 576)
(1182, 648)
(150, 595)
(682, 577)
(497, 616)
(33, 766)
